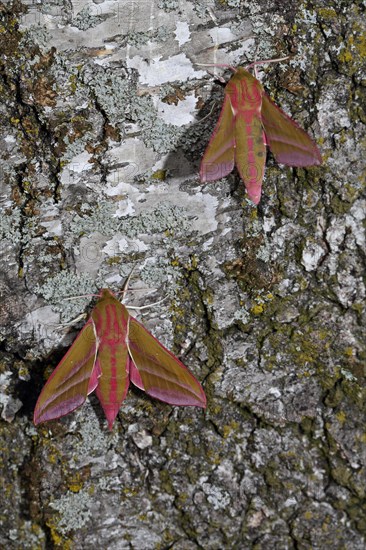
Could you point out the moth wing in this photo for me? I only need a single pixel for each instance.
(218, 160)
(288, 142)
(158, 372)
(69, 384)
(94, 379)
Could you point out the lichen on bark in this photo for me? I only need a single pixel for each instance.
(105, 117)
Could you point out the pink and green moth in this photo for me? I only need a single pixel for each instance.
(250, 120)
(112, 350)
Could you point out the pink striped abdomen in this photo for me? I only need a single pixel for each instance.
(111, 321)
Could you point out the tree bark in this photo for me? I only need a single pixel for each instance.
(106, 113)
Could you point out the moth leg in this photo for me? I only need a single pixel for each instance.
(73, 321)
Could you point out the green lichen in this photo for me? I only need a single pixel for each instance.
(354, 49)
(75, 483)
(257, 309)
(159, 175)
(115, 260)
(328, 14)
(190, 291)
(166, 482)
(233, 427)
(341, 417)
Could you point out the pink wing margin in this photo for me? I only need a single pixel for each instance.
(72, 380)
(288, 142)
(158, 372)
(218, 159)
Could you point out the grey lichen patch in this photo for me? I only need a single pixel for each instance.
(166, 217)
(47, 261)
(312, 254)
(276, 460)
(233, 3)
(8, 403)
(75, 511)
(95, 438)
(100, 218)
(216, 496)
(162, 137)
(115, 93)
(76, 146)
(66, 285)
(27, 534)
(58, 10)
(36, 34)
(10, 225)
(156, 133)
(138, 39)
(69, 75)
(160, 271)
(168, 5)
(85, 19)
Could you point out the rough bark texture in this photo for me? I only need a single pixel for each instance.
(105, 117)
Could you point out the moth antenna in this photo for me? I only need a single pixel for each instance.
(255, 59)
(221, 65)
(82, 296)
(265, 61)
(127, 281)
(139, 308)
(227, 43)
